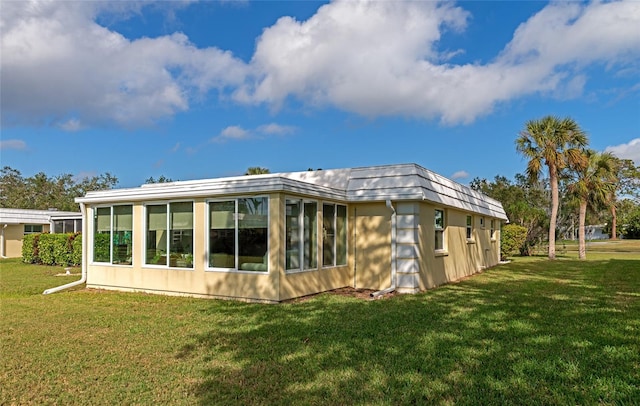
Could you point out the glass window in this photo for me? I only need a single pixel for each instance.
(122, 233)
(170, 235)
(492, 232)
(439, 229)
(32, 229)
(334, 235)
(301, 243)
(156, 251)
(181, 232)
(238, 234)
(102, 234)
(293, 230)
(328, 234)
(341, 234)
(253, 219)
(482, 222)
(310, 233)
(113, 234)
(469, 227)
(222, 234)
(58, 226)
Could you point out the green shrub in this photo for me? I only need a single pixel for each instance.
(512, 239)
(76, 250)
(29, 248)
(45, 248)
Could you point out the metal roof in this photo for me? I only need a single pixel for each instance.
(26, 216)
(404, 182)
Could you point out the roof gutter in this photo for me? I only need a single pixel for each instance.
(83, 278)
(393, 253)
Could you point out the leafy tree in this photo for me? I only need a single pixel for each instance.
(593, 186)
(557, 144)
(629, 218)
(628, 184)
(43, 192)
(161, 179)
(256, 170)
(524, 204)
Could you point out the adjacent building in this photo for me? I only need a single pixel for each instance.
(16, 223)
(279, 236)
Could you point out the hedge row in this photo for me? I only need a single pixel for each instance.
(52, 249)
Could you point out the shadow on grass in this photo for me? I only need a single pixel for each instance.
(537, 332)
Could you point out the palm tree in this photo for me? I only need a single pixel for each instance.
(256, 170)
(594, 186)
(557, 144)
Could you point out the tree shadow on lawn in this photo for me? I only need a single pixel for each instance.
(515, 334)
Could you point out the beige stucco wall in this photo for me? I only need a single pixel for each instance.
(12, 240)
(461, 257)
(372, 252)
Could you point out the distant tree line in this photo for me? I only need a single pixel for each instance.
(42, 192)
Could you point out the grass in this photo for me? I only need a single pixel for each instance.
(532, 331)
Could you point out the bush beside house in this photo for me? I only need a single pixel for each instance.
(52, 249)
(512, 239)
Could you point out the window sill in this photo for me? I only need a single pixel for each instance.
(233, 270)
(471, 241)
(295, 271)
(493, 240)
(442, 253)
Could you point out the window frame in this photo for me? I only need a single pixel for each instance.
(469, 228)
(25, 232)
(236, 267)
(168, 229)
(302, 233)
(111, 231)
(334, 263)
(441, 230)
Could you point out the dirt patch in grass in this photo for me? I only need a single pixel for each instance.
(363, 294)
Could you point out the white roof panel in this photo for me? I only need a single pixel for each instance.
(375, 183)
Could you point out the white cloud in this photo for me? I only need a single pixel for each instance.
(276, 129)
(232, 132)
(71, 125)
(630, 150)
(13, 144)
(56, 60)
(378, 58)
(235, 132)
(460, 175)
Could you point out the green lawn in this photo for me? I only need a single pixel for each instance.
(529, 332)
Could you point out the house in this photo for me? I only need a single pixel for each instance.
(16, 223)
(279, 236)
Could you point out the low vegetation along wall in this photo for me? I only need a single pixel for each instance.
(52, 249)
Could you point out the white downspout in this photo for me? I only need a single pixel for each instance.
(85, 241)
(2, 243)
(393, 253)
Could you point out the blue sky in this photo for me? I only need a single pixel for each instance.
(194, 90)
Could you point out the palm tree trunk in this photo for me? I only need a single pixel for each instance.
(614, 222)
(582, 248)
(555, 202)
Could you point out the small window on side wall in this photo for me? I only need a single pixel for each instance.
(439, 229)
(469, 227)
